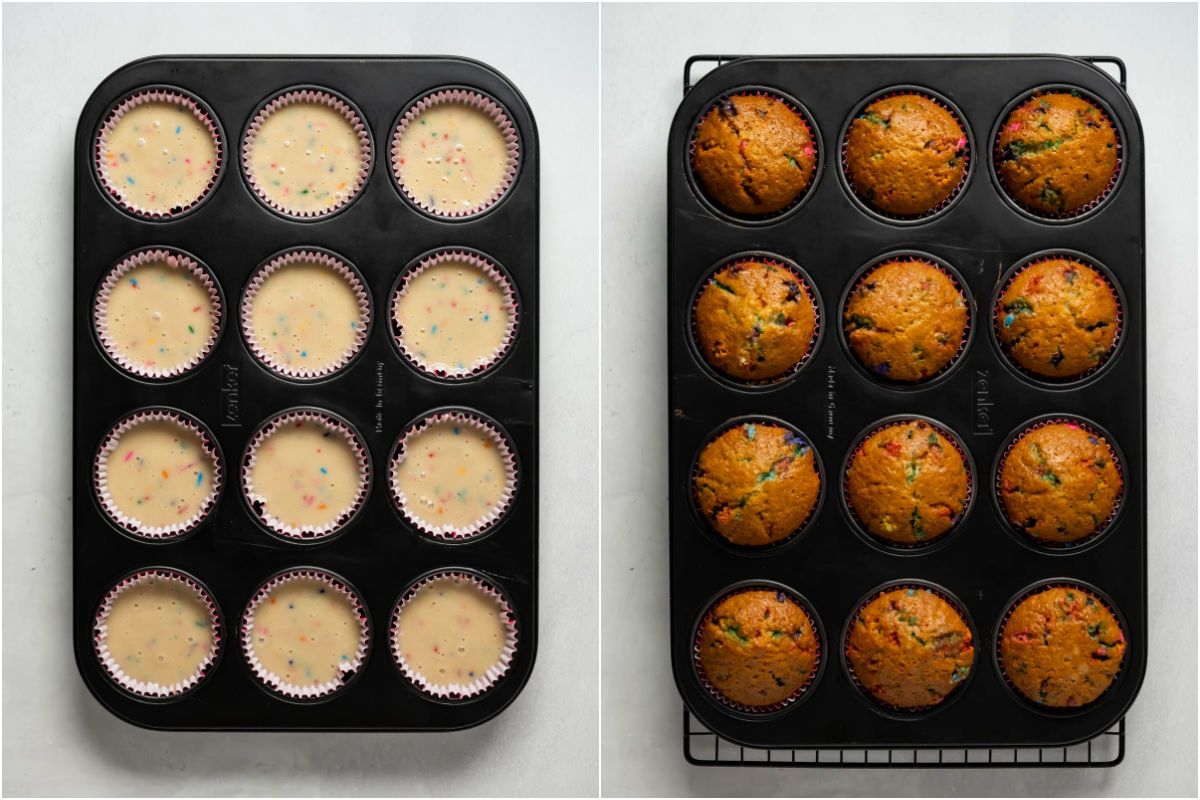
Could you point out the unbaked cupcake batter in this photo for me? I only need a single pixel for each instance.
(158, 474)
(159, 631)
(305, 474)
(306, 157)
(450, 632)
(305, 315)
(452, 317)
(159, 156)
(452, 475)
(452, 157)
(159, 316)
(306, 632)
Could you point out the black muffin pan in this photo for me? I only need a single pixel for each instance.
(380, 232)
(981, 398)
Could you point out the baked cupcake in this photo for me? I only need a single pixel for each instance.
(905, 320)
(1056, 153)
(1061, 647)
(1058, 318)
(757, 648)
(757, 483)
(909, 649)
(754, 154)
(1059, 483)
(905, 154)
(755, 320)
(907, 483)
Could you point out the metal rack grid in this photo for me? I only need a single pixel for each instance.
(704, 748)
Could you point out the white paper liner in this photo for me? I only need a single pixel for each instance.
(109, 446)
(481, 103)
(456, 691)
(259, 349)
(114, 191)
(346, 670)
(114, 276)
(308, 96)
(509, 303)
(118, 675)
(510, 479)
(258, 502)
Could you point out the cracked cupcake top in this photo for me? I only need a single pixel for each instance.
(753, 154)
(1061, 647)
(1059, 482)
(757, 483)
(1057, 318)
(1057, 153)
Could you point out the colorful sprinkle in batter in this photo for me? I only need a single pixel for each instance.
(305, 474)
(306, 157)
(451, 632)
(452, 475)
(452, 157)
(306, 632)
(159, 474)
(159, 157)
(159, 631)
(452, 318)
(305, 315)
(159, 316)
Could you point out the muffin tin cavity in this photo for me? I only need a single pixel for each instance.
(294, 397)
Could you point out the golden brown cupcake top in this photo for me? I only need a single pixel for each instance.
(1058, 318)
(755, 320)
(1061, 647)
(757, 483)
(753, 154)
(1059, 482)
(907, 483)
(1057, 152)
(758, 647)
(905, 320)
(909, 648)
(906, 154)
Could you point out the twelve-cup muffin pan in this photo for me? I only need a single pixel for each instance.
(377, 233)
(982, 400)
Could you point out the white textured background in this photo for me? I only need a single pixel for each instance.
(642, 53)
(57, 738)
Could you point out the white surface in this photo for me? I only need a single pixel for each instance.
(642, 55)
(57, 738)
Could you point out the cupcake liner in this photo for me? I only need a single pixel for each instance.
(909, 712)
(493, 674)
(346, 671)
(1105, 276)
(173, 258)
(1097, 433)
(954, 439)
(805, 119)
(308, 96)
(141, 97)
(803, 527)
(479, 102)
(805, 283)
(100, 475)
(964, 142)
(892, 258)
(1036, 588)
(113, 669)
(258, 503)
(490, 269)
(782, 593)
(504, 448)
(1100, 106)
(301, 255)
